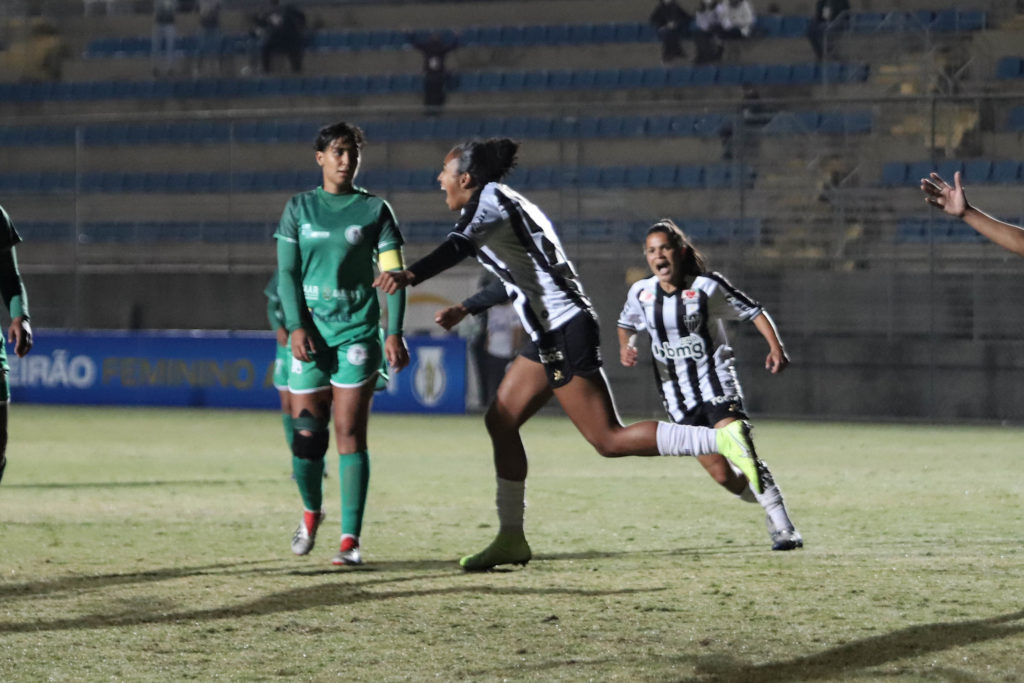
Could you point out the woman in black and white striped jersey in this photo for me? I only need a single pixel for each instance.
(515, 240)
(682, 307)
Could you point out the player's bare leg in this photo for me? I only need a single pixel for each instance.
(522, 392)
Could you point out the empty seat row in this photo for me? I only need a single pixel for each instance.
(147, 231)
(438, 128)
(473, 81)
(975, 171)
(710, 176)
(703, 230)
(935, 229)
(768, 25)
(1010, 67)
(810, 73)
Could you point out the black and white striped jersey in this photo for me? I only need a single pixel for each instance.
(513, 239)
(693, 362)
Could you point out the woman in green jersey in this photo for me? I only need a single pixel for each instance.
(329, 241)
(20, 332)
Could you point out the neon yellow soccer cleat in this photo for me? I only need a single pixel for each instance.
(735, 444)
(506, 548)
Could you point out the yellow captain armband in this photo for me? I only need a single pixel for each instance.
(391, 260)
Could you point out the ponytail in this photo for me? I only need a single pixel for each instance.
(486, 161)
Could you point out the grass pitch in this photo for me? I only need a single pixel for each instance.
(149, 545)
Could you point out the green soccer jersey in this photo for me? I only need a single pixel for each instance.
(327, 248)
(8, 235)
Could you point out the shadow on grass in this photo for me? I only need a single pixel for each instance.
(847, 659)
(295, 600)
(450, 566)
(45, 486)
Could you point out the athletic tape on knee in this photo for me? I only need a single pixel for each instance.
(310, 446)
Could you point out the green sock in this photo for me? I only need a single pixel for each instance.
(289, 429)
(309, 475)
(354, 472)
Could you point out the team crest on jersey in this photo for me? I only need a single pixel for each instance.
(693, 321)
(354, 234)
(690, 294)
(356, 355)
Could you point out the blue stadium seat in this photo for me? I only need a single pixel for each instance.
(894, 173)
(729, 74)
(778, 74)
(612, 176)
(1006, 172)
(588, 176)
(513, 80)
(680, 77)
(638, 177)
(654, 77)
(610, 126)
(539, 127)
(703, 75)
(657, 126)
(1015, 120)
(630, 32)
(794, 26)
(609, 78)
(536, 80)
(805, 74)
(946, 169)
(709, 125)
(663, 177)
(630, 78)
(754, 73)
(690, 176)
(682, 124)
(977, 171)
(918, 170)
(603, 33)
(1009, 67)
(769, 24)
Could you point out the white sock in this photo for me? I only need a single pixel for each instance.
(511, 501)
(676, 439)
(772, 502)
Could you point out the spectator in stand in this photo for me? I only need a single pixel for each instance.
(672, 23)
(829, 16)
(283, 30)
(736, 19)
(211, 41)
(434, 48)
(705, 34)
(162, 54)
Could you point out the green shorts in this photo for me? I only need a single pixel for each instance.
(282, 367)
(347, 365)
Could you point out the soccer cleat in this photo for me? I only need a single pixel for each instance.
(506, 548)
(305, 535)
(787, 539)
(783, 539)
(349, 554)
(735, 444)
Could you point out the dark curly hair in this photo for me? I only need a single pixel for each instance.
(486, 160)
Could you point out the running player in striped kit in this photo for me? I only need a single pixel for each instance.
(512, 238)
(682, 307)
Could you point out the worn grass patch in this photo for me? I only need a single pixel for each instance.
(153, 545)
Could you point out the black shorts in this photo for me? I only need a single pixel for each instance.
(570, 350)
(710, 413)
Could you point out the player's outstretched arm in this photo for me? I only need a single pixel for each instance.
(953, 201)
